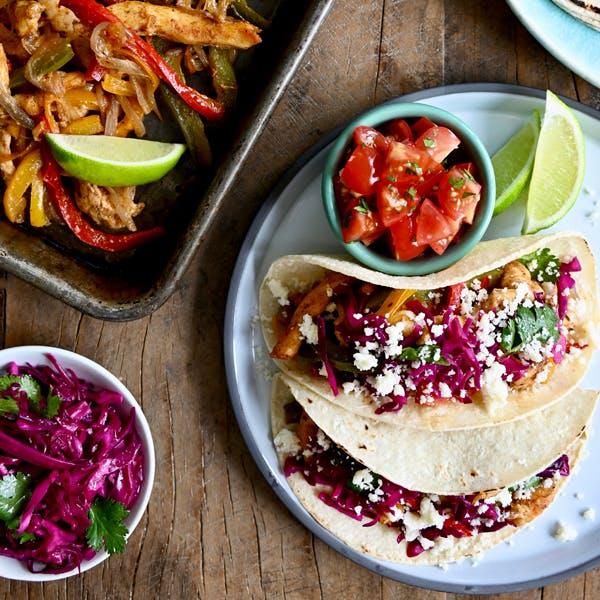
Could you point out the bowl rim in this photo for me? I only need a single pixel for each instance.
(95, 373)
(423, 265)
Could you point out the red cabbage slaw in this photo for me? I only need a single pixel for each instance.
(325, 464)
(85, 451)
(458, 358)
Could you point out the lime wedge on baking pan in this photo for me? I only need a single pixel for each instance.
(513, 163)
(558, 167)
(113, 161)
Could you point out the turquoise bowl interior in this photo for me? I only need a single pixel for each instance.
(471, 149)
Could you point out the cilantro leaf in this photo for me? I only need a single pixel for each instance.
(529, 324)
(53, 402)
(8, 405)
(427, 353)
(457, 182)
(27, 384)
(543, 265)
(15, 491)
(106, 525)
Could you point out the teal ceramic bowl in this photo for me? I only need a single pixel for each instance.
(471, 149)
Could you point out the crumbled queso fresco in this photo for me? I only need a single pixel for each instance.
(564, 532)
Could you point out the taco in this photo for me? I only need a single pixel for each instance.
(505, 331)
(381, 518)
(456, 461)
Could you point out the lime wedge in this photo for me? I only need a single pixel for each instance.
(113, 161)
(513, 163)
(558, 168)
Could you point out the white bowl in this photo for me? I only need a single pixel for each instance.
(92, 372)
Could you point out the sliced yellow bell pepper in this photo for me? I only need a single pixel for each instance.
(88, 125)
(82, 97)
(15, 201)
(393, 303)
(38, 217)
(117, 86)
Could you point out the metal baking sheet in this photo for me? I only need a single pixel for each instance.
(127, 286)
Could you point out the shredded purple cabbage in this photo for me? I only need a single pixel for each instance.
(565, 283)
(87, 450)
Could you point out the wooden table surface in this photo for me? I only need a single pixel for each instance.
(214, 529)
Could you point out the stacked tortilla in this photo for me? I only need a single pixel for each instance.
(430, 483)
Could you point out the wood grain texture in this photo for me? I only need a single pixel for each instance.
(214, 529)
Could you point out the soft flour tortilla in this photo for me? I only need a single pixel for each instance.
(379, 540)
(455, 462)
(299, 272)
(586, 11)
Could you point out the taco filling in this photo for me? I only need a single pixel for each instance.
(424, 522)
(502, 331)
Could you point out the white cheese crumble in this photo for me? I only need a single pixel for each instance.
(363, 480)
(387, 383)
(309, 330)
(364, 361)
(589, 514)
(504, 497)
(494, 390)
(287, 442)
(279, 291)
(564, 532)
(427, 516)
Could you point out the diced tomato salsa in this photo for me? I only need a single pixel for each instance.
(396, 188)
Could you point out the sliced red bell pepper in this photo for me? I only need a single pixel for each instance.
(76, 222)
(92, 13)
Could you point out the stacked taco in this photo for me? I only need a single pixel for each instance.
(412, 415)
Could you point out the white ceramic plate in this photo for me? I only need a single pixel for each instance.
(570, 41)
(292, 221)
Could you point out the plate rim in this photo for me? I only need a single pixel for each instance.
(549, 42)
(374, 565)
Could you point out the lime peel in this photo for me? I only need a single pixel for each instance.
(114, 161)
(513, 163)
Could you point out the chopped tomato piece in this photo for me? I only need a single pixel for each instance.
(403, 239)
(438, 142)
(456, 528)
(454, 293)
(360, 223)
(395, 202)
(360, 173)
(367, 136)
(439, 247)
(421, 125)
(459, 194)
(432, 224)
(430, 183)
(399, 130)
(405, 165)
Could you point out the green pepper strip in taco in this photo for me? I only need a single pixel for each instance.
(382, 518)
(502, 333)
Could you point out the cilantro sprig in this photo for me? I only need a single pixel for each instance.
(426, 353)
(15, 491)
(106, 529)
(529, 324)
(47, 406)
(543, 265)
